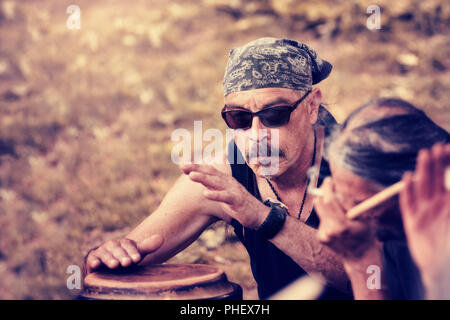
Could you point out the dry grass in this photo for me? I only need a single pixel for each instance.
(86, 115)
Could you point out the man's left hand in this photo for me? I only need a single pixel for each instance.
(236, 201)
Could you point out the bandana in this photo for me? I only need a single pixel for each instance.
(273, 63)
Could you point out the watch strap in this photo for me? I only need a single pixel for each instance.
(274, 221)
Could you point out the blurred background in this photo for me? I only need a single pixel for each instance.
(86, 115)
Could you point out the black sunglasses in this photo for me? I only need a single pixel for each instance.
(270, 117)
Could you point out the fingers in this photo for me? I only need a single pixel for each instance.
(209, 181)
(335, 229)
(447, 154)
(328, 207)
(150, 244)
(115, 249)
(431, 174)
(92, 262)
(446, 165)
(106, 258)
(440, 156)
(327, 189)
(332, 217)
(323, 236)
(329, 225)
(202, 168)
(437, 159)
(222, 196)
(131, 250)
(423, 185)
(207, 175)
(407, 198)
(121, 252)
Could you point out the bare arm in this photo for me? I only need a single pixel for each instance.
(180, 218)
(359, 276)
(296, 239)
(299, 241)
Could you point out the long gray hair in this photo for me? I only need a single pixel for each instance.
(380, 141)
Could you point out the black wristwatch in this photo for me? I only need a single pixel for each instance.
(274, 221)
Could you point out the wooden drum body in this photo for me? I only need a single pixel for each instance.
(161, 282)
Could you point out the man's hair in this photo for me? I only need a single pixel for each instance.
(380, 141)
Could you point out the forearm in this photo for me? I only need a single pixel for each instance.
(178, 222)
(299, 241)
(366, 276)
(437, 289)
(437, 283)
(177, 235)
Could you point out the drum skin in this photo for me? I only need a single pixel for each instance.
(161, 282)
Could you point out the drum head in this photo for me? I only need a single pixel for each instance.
(159, 282)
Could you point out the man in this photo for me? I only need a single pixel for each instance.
(370, 151)
(267, 85)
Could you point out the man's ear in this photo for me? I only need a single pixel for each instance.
(315, 100)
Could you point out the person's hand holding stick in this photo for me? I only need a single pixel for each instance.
(425, 207)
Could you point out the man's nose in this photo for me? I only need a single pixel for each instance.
(258, 131)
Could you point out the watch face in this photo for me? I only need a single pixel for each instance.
(275, 201)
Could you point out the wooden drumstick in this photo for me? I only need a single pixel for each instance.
(375, 200)
(380, 197)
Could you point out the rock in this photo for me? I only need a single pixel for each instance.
(39, 217)
(4, 67)
(212, 239)
(15, 93)
(233, 7)
(166, 119)
(8, 10)
(408, 59)
(438, 65)
(406, 62)
(129, 40)
(146, 96)
(9, 69)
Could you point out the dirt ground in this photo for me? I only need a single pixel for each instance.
(86, 115)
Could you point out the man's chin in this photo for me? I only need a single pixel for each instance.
(265, 167)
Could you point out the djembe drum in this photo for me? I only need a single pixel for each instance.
(161, 282)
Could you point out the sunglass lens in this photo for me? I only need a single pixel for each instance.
(238, 119)
(275, 117)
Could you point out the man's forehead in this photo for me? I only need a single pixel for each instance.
(261, 96)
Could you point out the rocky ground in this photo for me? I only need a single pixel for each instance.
(86, 115)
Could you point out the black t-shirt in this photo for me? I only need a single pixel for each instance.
(271, 267)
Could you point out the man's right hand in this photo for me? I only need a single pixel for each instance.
(121, 252)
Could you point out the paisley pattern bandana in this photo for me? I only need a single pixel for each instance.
(273, 63)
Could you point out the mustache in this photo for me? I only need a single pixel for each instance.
(263, 150)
